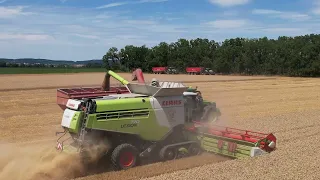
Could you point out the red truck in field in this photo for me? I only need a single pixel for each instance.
(159, 70)
(164, 70)
(199, 71)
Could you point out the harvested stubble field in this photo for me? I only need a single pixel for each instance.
(289, 107)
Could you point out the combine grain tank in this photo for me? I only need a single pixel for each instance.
(78, 93)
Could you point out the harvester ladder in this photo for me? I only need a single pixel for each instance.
(83, 125)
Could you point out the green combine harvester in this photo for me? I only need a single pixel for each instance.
(161, 121)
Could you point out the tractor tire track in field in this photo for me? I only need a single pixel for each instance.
(160, 168)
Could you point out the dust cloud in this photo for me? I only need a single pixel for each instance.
(213, 118)
(221, 121)
(37, 162)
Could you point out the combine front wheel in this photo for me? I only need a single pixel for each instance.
(124, 156)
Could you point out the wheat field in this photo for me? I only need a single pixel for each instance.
(287, 107)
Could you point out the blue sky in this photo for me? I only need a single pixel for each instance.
(86, 29)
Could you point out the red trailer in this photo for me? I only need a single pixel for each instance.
(194, 70)
(199, 70)
(159, 70)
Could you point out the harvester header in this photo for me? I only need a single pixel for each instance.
(233, 142)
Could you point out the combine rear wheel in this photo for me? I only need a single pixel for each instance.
(124, 156)
(194, 149)
(167, 154)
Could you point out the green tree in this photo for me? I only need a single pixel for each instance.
(290, 56)
(111, 55)
(3, 63)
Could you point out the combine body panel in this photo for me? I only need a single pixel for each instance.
(71, 120)
(140, 115)
(163, 122)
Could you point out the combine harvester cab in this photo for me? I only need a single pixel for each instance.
(163, 122)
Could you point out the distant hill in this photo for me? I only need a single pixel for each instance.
(49, 61)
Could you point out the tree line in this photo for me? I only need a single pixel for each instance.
(4, 64)
(47, 63)
(287, 56)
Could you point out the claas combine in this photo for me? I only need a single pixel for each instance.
(161, 121)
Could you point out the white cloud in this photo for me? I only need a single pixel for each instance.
(316, 11)
(103, 16)
(9, 12)
(287, 31)
(112, 5)
(226, 24)
(166, 28)
(152, 1)
(70, 35)
(28, 37)
(316, 7)
(229, 13)
(87, 36)
(282, 29)
(265, 11)
(140, 22)
(282, 14)
(131, 2)
(75, 28)
(173, 18)
(63, 33)
(229, 3)
(125, 36)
